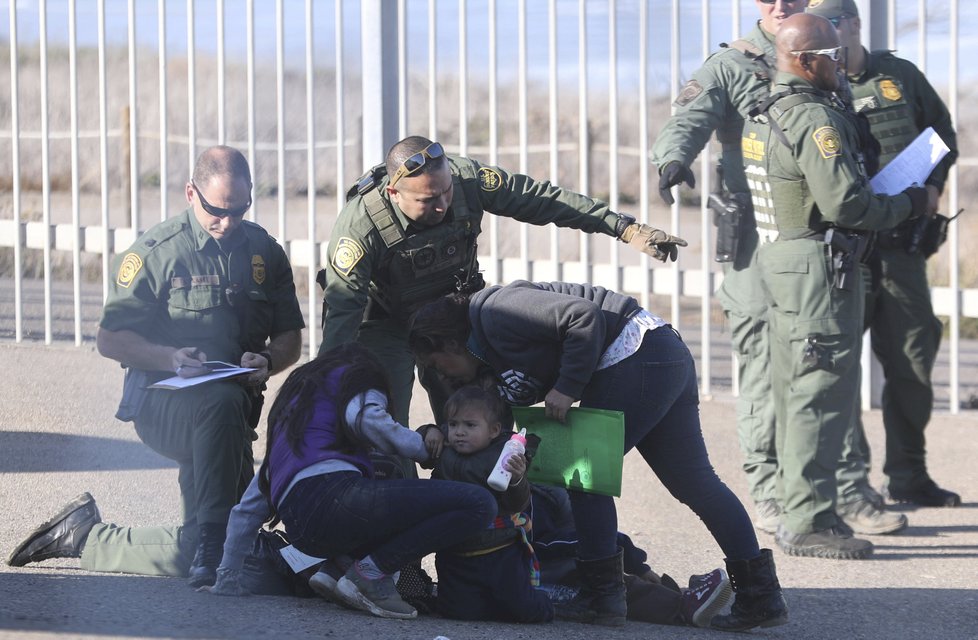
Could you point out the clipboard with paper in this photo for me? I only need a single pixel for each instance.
(585, 454)
(913, 165)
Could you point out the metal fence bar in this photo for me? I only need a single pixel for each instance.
(613, 243)
(494, 268)
(432, 70)
(221, 131)
(103, 149)
(280, 112)
(133, 122)
(402, 69)
(583, 133)
(15, 176)
(340, 109)
(463, 79)
(643, 137)
(706, 365)
(191, 88)
(313, 257)
(553, 127)
(250, 55)
(75, 205)
(674, 77)
(955, 275)
(164, 164)
(45, 167)
(523, 270)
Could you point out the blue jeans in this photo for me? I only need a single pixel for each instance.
(656, 388)
(394, 521)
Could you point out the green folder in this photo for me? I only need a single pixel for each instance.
(584, 454)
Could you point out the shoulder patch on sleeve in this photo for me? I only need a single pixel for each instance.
(688, 93)
(490, 179)
(828, 141)
(131, 264)
(347, 255)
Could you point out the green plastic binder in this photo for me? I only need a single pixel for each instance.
(585, 454)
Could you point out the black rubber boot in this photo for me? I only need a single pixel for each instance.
(758, 601)
(601, 599)
(63, 536)
(210, 549)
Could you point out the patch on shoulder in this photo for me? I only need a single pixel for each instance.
(347, 255)
(688, 93)
(890, 90)
(490, 179)
(131, 264)
(814, 3)
(829, 142)
(258, 269)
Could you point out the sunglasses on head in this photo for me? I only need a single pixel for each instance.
(432, 152)
(782, 1)
(833, 53)
(218, 212)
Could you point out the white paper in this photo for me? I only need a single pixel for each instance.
(298, 560)
(176, 382)
(912, 166)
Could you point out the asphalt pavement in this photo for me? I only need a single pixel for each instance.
(58, 438)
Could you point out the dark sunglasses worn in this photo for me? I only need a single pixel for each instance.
(218, 212)
(837, 20)
(432, 152)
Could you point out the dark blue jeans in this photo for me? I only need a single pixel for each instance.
(394, 521)
(656, 388)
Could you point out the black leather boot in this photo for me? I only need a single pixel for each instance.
(210, 549)
(63, 536)
(758, 601)
(601, 599)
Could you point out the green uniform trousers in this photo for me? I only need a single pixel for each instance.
(816, 340)
(206, 430)
(745, 305)
(906, 336)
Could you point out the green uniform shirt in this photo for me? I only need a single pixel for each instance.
(175, 286)
(900, 103)
(420, 268)
(718, 98)
(817, 180)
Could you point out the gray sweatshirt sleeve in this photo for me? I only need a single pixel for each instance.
(243, 525)
(368, 419)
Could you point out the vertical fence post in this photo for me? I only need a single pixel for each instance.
(379, 59)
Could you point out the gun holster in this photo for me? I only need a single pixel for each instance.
(134, 394)
(729, 212)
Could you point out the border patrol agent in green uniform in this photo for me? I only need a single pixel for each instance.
(408, 235)
(717, 98)
(203, 285)
(802, 159)
(900, 103)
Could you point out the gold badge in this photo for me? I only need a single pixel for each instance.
(347, 255)
(828, 141)
(890, 90)
(131, 264)
(490, 179)
(258, 269)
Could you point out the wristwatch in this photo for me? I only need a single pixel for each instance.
(624, 221)
(268, 358)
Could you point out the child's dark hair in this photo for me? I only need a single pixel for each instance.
(295, 403)
(440, 323)
(495, 407)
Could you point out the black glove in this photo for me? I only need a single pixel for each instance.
(918, 200)
(671, 175)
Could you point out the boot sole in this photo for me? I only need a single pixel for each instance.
(351, 596)
(325, 588)
(824, 552)
(77, 503)
(705, 614)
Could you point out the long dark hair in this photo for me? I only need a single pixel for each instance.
(295, 403)
(439, 324)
